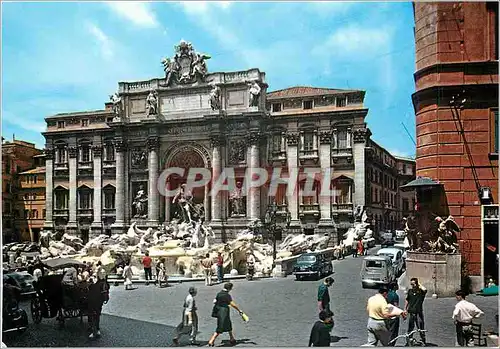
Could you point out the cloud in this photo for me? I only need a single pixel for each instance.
(330, 8)
(401, 153)
(354, 39)
(199, 7)
(139, 13)
(103, 40)
(27, 124)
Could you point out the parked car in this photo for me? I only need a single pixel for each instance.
(377, 271)
(387, 239)
(400, 234)
(396, 256)
(312, 264)
(23, 280)
(403, 248)
(369, 242)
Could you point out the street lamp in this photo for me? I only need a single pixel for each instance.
(275, 222)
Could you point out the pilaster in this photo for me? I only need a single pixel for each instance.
(360, 136)
(96, 227)
(49, 190)
(72, 226)
(153, 194)
(216, 221)
(121, 149)
(253, 140)
(325, 202)
(292, 156)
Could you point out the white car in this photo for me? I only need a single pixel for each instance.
(396, 255)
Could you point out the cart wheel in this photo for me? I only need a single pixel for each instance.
(36, 310)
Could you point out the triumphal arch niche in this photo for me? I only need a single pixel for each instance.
(190, 118)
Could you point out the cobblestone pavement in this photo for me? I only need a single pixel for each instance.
(281, 313)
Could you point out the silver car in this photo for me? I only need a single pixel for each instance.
(396, 256)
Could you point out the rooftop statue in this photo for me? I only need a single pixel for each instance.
(186, 66)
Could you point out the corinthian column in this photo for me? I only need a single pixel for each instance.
(49, 194)
(96, 226)
(72, 224)
(292, 156)
(153, 194)
(360, 137)
(216, 172)
(118, 225)
(254, 163)
(325, 159)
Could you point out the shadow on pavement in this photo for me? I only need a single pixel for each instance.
(335, 339)
(116, 332)
(227, 343)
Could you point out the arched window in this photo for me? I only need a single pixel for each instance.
(61, 196)
(311, 196)
(84, 198)
(109, 197)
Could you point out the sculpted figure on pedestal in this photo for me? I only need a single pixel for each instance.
(215, 102)
(140, 203)
(254, 94)
(117, 104)
(186, 66)
(237, 201)
(184, 199)
(152, 103)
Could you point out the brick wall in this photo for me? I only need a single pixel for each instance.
(448, 37)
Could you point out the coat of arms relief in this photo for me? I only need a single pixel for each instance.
(186, 66)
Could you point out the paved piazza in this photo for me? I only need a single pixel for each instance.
(281, 312)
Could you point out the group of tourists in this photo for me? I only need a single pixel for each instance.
(383, 320)
(223, 302)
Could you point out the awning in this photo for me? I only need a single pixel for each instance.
(420, 183)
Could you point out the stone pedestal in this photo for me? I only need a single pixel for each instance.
(439, 273)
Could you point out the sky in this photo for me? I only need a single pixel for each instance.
(69, 56)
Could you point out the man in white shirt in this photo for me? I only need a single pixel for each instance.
(189, 319)
(463, 314)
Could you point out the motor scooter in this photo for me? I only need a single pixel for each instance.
(14, 319)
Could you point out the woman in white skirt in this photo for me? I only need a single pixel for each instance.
(127, 275)
(162, 275)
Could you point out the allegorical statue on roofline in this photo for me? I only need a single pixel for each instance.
(186, 67)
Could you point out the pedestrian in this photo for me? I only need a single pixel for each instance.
(206, 263)
(342, 250)
(162, 277)
(378, 313)
(393, 323)
(189, 319)
(220, 267)
(320, 332)
(354, 248)
(146, 262)
(324, 295)
(127, 275)
(414, 305)
(221, 311)
(97, 296)
(360, 247)
(463, 314)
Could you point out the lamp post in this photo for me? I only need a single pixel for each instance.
(275, 222)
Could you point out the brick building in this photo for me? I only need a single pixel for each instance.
(456, 106)
(17, 156)
(29, 208)
(100, 164)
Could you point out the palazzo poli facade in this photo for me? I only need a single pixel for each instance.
(102, 167)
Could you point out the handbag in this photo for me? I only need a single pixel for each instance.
(215, 311)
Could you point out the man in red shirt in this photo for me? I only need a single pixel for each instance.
(146, 262)
(220, 266)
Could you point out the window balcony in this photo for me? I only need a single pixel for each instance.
(61, 212)
(109, 163)
(311, 154)
(343, 209)
(109, 212)
(338, 153)
(85, 165)
(85, 212)
(61, 166)
(277, 155)
(309, 210)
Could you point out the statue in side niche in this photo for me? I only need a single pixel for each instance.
(215, 102)
(152, 103)
(254, 94)
(140, 203)
(237, 201)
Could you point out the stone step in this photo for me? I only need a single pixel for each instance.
(180, 279)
